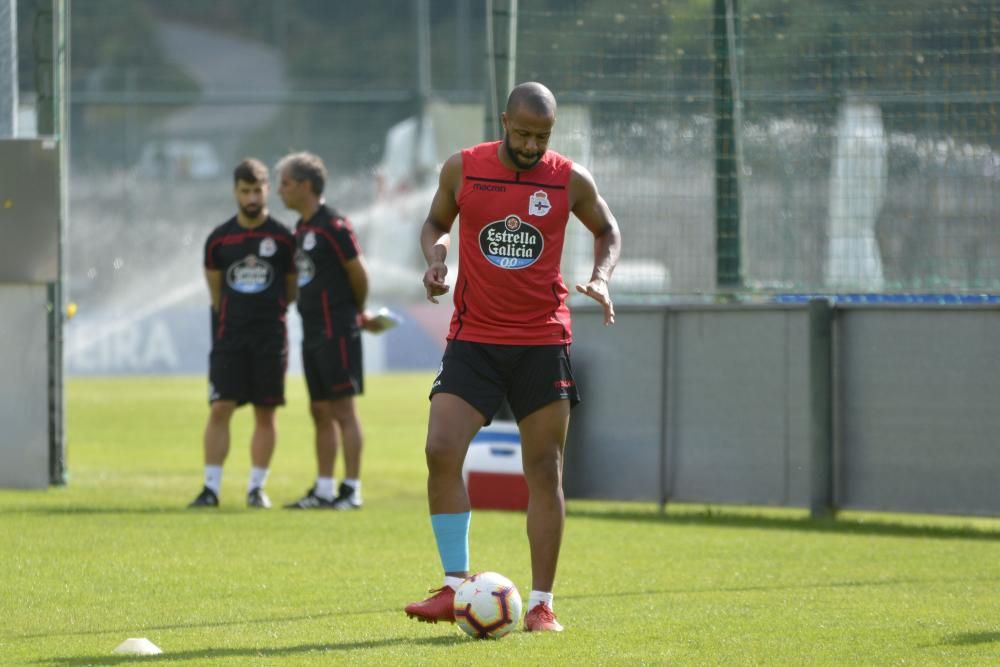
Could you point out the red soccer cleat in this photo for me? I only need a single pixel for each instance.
(541, 619)
(438, 607)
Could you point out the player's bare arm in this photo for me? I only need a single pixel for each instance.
(357, 277)
(214, 280)
(591, 209)
(435, 235)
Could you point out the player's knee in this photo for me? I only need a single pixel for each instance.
(343, 412)
(221, 411)
(443, 454)
(265, 417)
(320, 411)
(543, 471)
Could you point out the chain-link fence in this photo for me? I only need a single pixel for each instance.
(865, 137)
(748, 146)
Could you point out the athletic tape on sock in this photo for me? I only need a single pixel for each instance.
(451, 532)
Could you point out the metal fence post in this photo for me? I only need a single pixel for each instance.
(728, 250)
(821, 408)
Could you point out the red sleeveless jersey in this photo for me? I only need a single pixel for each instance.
(512, 225)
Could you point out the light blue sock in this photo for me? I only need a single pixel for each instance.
(451, 532)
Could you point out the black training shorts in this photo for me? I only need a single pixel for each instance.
(529, 376)
(248, 371)
(333, 366)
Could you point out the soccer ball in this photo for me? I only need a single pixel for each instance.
(487, 605)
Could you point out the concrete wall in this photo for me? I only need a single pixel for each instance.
(712, 404)
(29, 241)
(24, 395)
(737, 415)
(918, 410)
(616, 433)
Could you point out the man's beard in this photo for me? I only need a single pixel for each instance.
(518, 161)
(252, 210)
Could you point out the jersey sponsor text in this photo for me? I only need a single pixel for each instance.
(511, 243)
(250, 276)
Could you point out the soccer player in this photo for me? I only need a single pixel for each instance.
(333, 287)
(250, 269)
(510, 331)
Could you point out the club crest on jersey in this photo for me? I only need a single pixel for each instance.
(309, 241)
(267, 247)
(511, 243)
(304, 265)
(539, 203)
(250, 276)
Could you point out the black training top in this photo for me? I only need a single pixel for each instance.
(325, 244)
(254, 264)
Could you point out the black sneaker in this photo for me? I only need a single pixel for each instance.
(257, 498)
(310, 501)
(206, 498)
(346, 498)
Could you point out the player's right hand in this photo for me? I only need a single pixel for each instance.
(434, 281)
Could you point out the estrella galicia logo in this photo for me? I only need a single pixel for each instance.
(250, 276)
(511, 243)
(305, 267)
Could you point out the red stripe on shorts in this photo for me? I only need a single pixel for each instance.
(326, 315)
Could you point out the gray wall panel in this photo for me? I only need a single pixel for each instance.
(615, 433)
(919, 410)
(738, 427)
(24, 399)
(29, 210)
(726, 390)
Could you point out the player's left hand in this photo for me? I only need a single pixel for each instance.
(597, 289)
(369, 322)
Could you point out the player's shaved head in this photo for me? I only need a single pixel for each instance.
(534, 97)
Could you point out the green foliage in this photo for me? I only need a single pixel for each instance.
(115, 555)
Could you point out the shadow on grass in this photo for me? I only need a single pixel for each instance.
(763, 588)
(208, 656)
(212, 624)
(971, 638)
(724, 519)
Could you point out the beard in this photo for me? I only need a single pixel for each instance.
(520, 161)
(252, 210)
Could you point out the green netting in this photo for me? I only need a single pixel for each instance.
(855, 145)
(867, 136)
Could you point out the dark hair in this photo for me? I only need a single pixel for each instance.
(250, 170)
(305, 167)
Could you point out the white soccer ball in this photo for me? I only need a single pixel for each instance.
(487, 605)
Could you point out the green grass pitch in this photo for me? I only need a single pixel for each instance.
(115, 555)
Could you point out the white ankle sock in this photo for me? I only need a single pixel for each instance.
(325, 487)
(257, 478)
(355, 485)
(213, 478)
(538, 597)
(453, 582)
